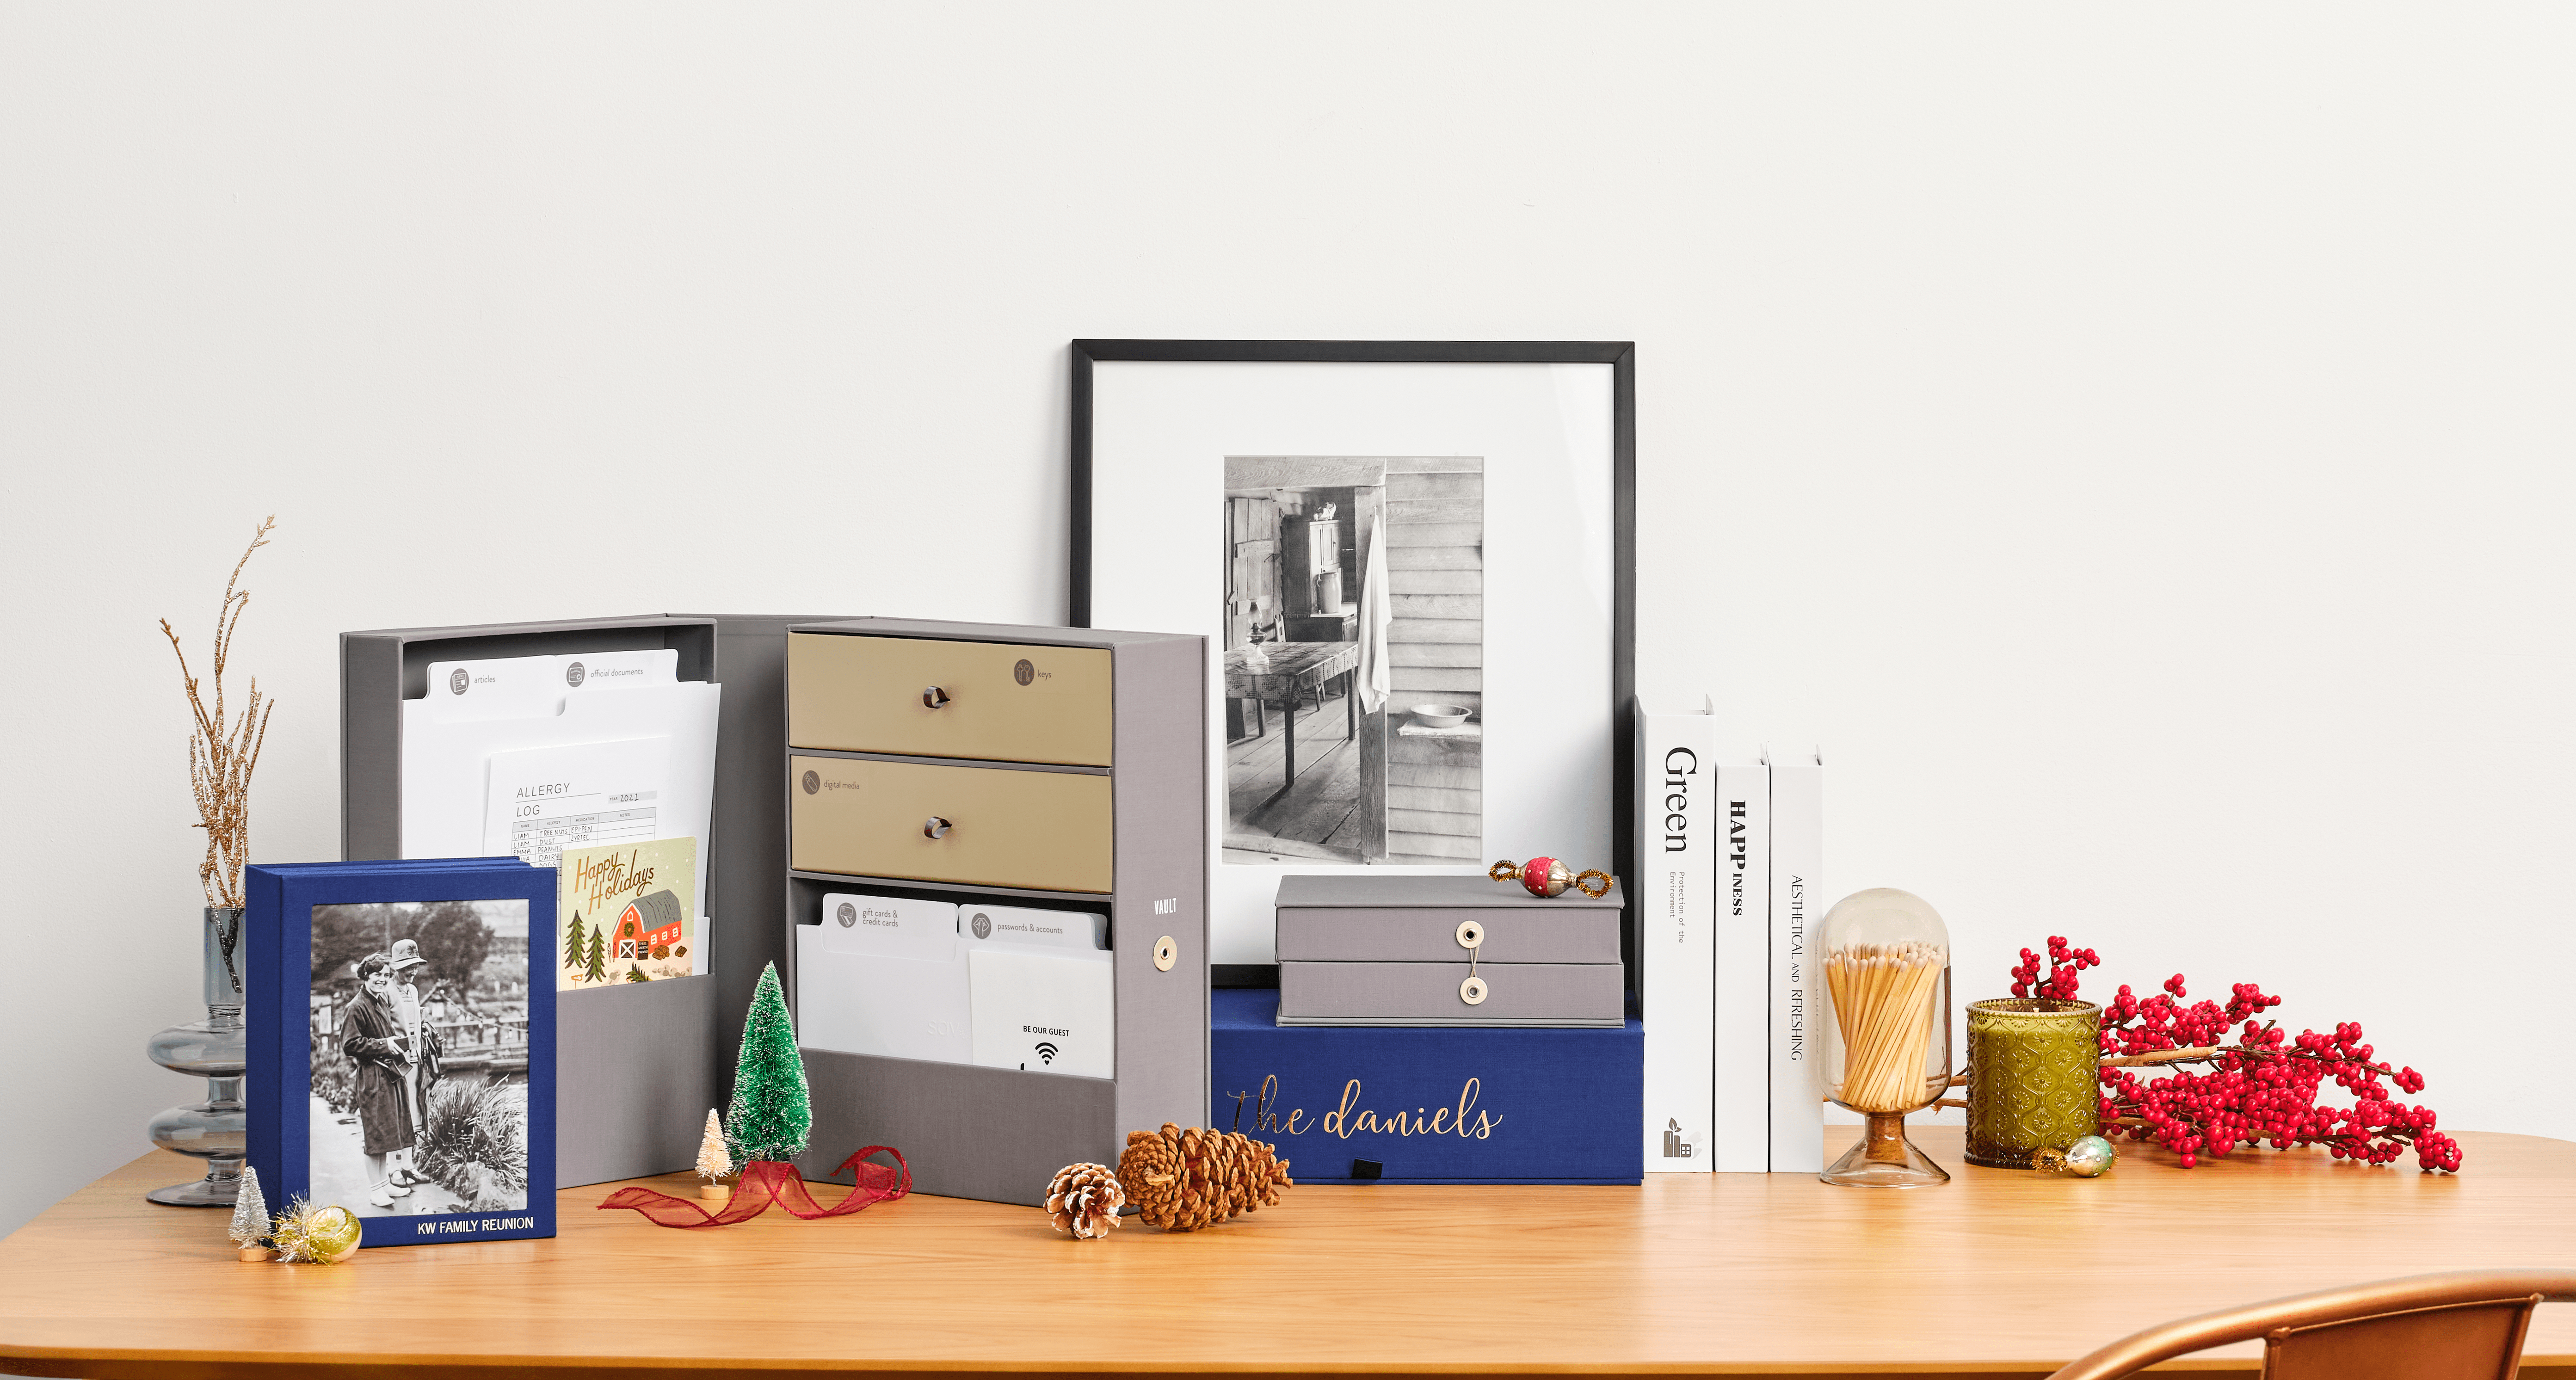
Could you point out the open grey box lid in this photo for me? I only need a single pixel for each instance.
(1361, 918)
(1385, 891)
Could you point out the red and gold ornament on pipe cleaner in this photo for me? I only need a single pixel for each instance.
(1549, 877)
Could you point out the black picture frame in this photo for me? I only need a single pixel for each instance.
(1620, 355)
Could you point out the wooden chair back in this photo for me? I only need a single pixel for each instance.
(2466, 1325)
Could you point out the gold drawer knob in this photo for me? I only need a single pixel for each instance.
(934, 828)
(933, 697)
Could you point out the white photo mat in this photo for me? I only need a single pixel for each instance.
(1161, 432)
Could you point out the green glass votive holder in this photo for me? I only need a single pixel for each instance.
(2033, 1068)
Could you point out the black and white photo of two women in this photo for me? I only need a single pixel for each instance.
(419, 1022)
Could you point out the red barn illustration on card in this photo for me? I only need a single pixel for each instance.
(649, 922)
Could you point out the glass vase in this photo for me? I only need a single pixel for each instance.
(2032, 1069)
(1886, 1042)
(216, 1049)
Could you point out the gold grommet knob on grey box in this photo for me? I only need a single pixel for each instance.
(933, 698)
(1472, 991)
(1166, 953)
(1470, 934)
(934, 828)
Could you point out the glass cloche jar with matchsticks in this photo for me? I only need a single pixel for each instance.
(1886, 1042)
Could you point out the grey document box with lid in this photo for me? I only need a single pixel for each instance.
(1376, 949)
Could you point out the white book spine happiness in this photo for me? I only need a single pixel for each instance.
(1797, 902)
(1671, 886)
(1743, 998)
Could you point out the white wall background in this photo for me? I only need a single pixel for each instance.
(2135, 442)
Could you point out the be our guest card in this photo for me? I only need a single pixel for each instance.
(625, 912)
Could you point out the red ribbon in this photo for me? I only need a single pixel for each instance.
(774, 1181)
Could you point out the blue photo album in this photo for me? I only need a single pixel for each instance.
(402, 1043)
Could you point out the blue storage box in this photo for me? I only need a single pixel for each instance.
(1538, 1105)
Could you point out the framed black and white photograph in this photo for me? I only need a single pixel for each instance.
(1412, 564)
(408, 1011)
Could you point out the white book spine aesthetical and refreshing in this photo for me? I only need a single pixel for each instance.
(1742, 1067)
(1797, 903)
(1672, 887)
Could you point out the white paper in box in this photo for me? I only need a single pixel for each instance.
(883, 976)
(1042, 989)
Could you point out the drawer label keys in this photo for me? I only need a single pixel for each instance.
(1027, 674)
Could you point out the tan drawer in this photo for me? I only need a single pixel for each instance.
(1040, 829)
(1006, 702)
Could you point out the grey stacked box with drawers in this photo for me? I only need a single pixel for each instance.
(997, 1134)
(1067, 768)
(1386, 949)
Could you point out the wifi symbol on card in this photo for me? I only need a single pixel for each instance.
(1047, 1052)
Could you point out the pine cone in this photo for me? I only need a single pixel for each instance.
(1084, 1200)
(1184, 1180)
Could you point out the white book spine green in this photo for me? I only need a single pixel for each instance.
(1797, 903)
(1672, 886)
(1742, 1056)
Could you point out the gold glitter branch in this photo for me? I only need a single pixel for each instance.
(222, 751)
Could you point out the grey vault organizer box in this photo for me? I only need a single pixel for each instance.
(637, 1066)
(1087, 793)
(1054, 769)
(1362, 949)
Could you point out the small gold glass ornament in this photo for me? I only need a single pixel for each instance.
(309, 1235)
(2090, 1157)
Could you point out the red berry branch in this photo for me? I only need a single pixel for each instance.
(2261, 1089)
(2063, 964)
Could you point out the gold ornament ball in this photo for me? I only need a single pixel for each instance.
(2089, 1157)
(334, 1232)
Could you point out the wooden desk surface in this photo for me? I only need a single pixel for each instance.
(1998, 1273)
